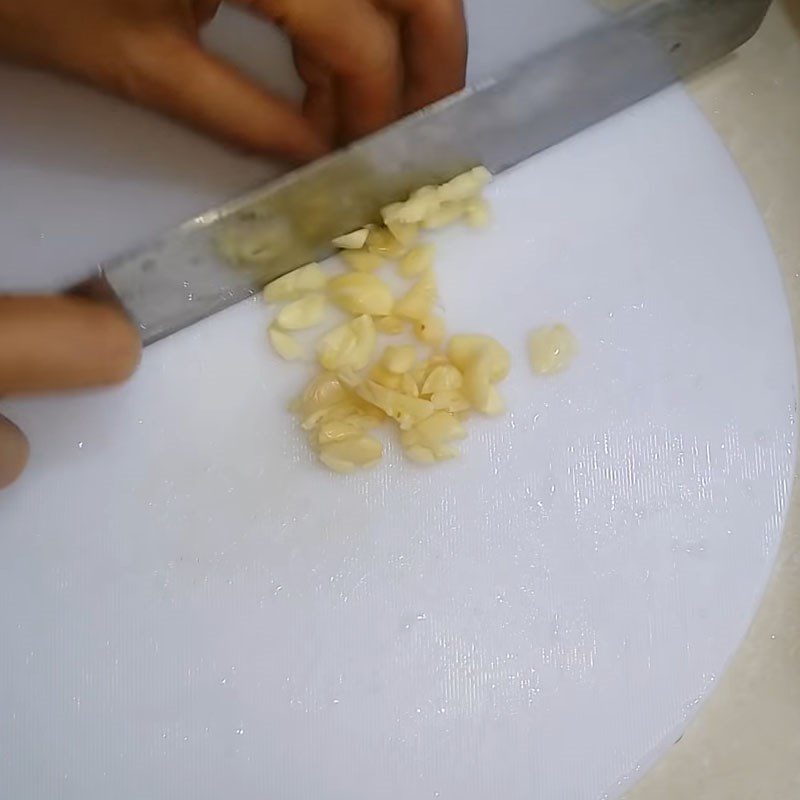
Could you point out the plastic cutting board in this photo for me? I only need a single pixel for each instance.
(190, 607)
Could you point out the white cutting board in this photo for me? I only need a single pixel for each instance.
(190, 607)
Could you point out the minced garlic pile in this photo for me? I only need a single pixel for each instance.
(426, 389)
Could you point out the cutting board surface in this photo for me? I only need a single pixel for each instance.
(191, 607)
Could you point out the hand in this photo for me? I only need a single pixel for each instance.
(365, 62)
(56, 343)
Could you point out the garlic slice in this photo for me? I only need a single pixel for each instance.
(352, 241)
(309, 278)
(361, 293)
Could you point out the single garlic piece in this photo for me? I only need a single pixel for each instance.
(463, 348)
(418, 302)
(445, 378)
(336, 430)
(385, 377)
(495, 405)
(404, 232)
(285, 345)
(324, 392)
(552, 349)
(420, 454)
(408, 385)
(306, 312)
(476, 213)
(422, 369)
(390, 325)
(399, 360)
(453, 402)
(361, 293)
(417, 261)
(430, 330)
(350, 346)
(421, 203)
(362, 260)
(407, 411)
(352, 241)
(352, 453)
(309, 278)
(381, 242)
(433, 436)
(477, 381)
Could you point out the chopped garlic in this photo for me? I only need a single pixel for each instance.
(444, 378)
(495, 405)
(477, 214)
(337, 430)
(421, 203)
(552, 349)
(385, 377)
(390, 325)
(348, 454)
(285, 345)
(430, 330)
(304, 313)
(445, 215)
(324, 392)
(381, 242)
(431, 440)
(418, 302)
(420, 454)
(462, 349)
(477, 383)
(352, 241)
(406, 411)
(399, 360)
(405, 233)
(361, 293)
(453, 401)
(309, 278)
(417, 261)
(423, 369)
(428, 399)
(362, 260)
(350, 346)
(465, 186)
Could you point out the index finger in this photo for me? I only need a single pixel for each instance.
(54, 343)
(435, 49)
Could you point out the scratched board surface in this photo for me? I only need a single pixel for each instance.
(190, 607)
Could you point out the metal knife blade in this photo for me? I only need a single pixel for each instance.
(201, 267)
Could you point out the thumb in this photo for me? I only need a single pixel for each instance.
(173, 75)
(14, 452)
(52, 343)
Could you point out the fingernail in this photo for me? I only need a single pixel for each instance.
(14, 452)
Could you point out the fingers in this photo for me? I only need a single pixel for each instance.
(359, 44)
(205, 11)
(434, 49)
(169, 72)
(319, 106)
(52, 343)
(14, 452)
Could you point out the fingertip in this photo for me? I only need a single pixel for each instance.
(61, 343)
(14, 452)
(121, 344)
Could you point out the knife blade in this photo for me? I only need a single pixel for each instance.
(227, 254)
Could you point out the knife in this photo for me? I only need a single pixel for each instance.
(229, 253)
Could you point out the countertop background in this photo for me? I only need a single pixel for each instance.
(745, 742)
